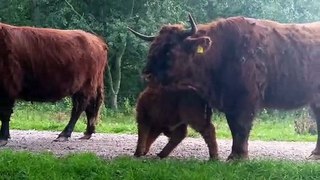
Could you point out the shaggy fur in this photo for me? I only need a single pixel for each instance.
(169, 112)
(246, 64)
(46, 65)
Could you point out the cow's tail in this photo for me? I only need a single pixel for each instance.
(97, 105)
(207, 112)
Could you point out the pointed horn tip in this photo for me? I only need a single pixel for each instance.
(130, 29)
(141, 36)
(190, 16)
(192, 23)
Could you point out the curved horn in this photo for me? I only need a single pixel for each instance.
(193, 29)
(193, 24)
(141, 36)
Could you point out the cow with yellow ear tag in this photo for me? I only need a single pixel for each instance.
(253, 64)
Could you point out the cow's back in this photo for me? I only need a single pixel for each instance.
(49, 64)
(278, 61)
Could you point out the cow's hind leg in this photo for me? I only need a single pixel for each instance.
(201, 122)
(208, 133)
(92, 112)
(6, 109)
(316, 110)
(175, 138)
(79, 104)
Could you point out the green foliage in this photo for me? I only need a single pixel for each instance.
(15, 12)
(23, 165)
(111, 18)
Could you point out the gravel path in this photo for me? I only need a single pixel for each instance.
(113, 145)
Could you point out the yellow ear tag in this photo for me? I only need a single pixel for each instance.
(200, 50)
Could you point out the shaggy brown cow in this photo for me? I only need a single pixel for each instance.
(170, 112)
(241, 65)
(45, 65)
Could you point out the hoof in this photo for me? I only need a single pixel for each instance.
(138, 154)
(3, 142)
(237, 157)
(215, 158)
(61, 139)
(85, 137)
(314, 157)
(154, 157)
(161, 155)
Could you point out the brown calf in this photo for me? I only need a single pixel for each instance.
(169, 112)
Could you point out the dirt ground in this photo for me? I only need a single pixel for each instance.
(114, 145)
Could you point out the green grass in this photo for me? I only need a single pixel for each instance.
(54, 117)
(23, 165)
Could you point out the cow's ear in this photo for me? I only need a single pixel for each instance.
(199, 45)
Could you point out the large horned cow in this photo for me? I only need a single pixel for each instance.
(45, 65)
(241, 65)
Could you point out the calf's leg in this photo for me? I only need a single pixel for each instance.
(208, 133)
(143, 133)
(200, 120)
(152, 136)
(175, 138)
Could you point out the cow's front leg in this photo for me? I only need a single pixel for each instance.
(240, 123)
(143, 133)
(152, 136)
(6, 109)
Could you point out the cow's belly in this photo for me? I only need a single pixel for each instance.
(287, 98)
(53, 87)
(43, 96)
(47, 93)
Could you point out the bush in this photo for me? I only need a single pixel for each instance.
(305, 126)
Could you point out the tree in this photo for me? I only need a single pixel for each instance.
(127, 54)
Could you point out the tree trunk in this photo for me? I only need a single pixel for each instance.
(35, 13)
(114, 78)
(113, 102)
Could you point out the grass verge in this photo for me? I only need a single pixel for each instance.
(23, 165)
